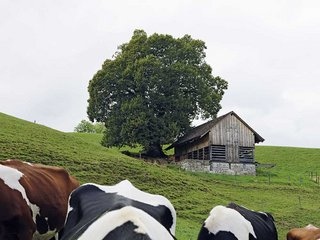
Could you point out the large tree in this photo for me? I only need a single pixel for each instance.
(152, 89)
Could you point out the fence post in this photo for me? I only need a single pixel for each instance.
(300, 179)
(300, 202)
(269, 178)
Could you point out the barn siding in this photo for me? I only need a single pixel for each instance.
(183, 150)
(231, 129)
(232, 133)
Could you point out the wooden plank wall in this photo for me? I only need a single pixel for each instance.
(201, 143)
(231, 132)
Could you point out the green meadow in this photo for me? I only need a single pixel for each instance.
(289, 190)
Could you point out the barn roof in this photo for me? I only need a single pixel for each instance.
(201, 130)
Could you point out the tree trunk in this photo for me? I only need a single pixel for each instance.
(154, 150)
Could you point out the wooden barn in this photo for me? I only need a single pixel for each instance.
(223, 145)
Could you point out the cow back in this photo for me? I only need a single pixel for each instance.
(262, 222)
(42, 189)
(234, 222)
(309, 232)
(90, 202)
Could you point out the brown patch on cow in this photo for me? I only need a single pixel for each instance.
(47, 187)
(307, 233)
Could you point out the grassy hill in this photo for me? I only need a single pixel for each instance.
(286, 190)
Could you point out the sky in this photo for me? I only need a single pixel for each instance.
(267, 50)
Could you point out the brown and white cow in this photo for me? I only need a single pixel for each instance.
(309, 232)
(33, 199)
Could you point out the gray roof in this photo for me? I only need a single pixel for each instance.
(201, 130)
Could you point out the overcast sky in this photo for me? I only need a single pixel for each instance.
(268, 51)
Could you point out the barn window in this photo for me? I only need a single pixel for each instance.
(218, 152)
(246, 154)
(206, 153)
(189, 155)
(201, 154)
(195, 154)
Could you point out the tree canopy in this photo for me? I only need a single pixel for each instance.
(152, 89)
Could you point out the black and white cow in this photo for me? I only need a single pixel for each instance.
(118, 212)
(234, 222)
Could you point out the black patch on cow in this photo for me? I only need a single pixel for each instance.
(42, 225)
(204, 234)
(88, 203)
(126, 232)
(262, 223)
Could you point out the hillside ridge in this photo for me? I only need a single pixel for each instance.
(285, 190)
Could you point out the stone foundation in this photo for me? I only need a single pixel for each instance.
(218, 167)
(195, 165)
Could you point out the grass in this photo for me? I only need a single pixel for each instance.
(285, 190)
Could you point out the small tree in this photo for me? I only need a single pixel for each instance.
(152, 90)
(99, 127)
(88, 127)
(84, 127)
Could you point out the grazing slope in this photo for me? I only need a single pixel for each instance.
(291, 197)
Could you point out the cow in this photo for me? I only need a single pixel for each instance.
(33, 200)
(119, 211)
(235, 222)
(309, 232)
